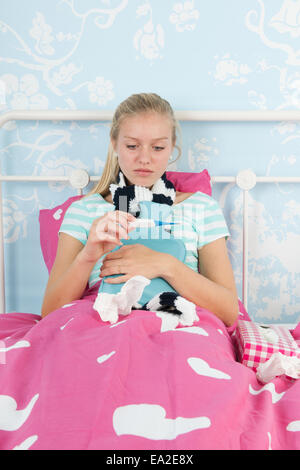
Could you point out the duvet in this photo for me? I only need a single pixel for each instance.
(70, 381)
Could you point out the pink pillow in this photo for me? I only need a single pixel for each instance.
(190, 182)
(51, 219)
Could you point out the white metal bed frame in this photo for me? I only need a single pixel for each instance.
(245, 180)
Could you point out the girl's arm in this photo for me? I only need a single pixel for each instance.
(74, 261)
(213, 289)
(69, 275)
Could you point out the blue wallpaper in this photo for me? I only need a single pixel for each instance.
(91, 54)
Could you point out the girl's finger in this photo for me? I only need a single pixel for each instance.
(122, 218)
(117, 230)
(109, 229)
(117, 280)
(116, 224)
(105, 237)
(127, 215)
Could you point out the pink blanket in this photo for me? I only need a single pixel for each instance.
(70, 381)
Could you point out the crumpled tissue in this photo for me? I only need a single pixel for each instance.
(269, 334)
(110, 306)
(277, 365)
(256, 344)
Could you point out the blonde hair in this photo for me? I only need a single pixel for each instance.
(135, 104)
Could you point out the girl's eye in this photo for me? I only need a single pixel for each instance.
(157, 148)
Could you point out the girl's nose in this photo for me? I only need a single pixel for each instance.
(144, 155)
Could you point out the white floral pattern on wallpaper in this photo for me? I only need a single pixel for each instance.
(148, 40)
(41, 32)
(100, 91)
(285, 21)
(273, 268)
(23, 92)
(57, 70)
(14, 221)
(67, 54)
(230, 72)
(184, 16)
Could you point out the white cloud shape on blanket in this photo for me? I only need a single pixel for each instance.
(12, 419)
(201, 367)
(64, 326)
(270, 387)
(193, 329)
(17, 345)
(104, 358)
(26, 444)
(293, 426)
(149, 421)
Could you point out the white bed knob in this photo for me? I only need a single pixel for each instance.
(79, 179)
(246, 179)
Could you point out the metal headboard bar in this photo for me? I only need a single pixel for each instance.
(246, 179)
(92, 115)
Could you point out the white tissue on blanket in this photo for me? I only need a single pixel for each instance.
(269, 334)
(110, 306)
(277, 365)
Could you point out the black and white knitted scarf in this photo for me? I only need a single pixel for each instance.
(127, 198)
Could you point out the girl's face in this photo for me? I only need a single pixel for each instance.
(144, 146)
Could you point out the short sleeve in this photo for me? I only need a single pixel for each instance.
(212, 224)
(76, 222)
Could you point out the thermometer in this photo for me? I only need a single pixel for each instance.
(148, 223)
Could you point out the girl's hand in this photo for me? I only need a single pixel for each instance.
(133, 260)
(106, 233)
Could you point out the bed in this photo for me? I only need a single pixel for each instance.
(73, 382)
